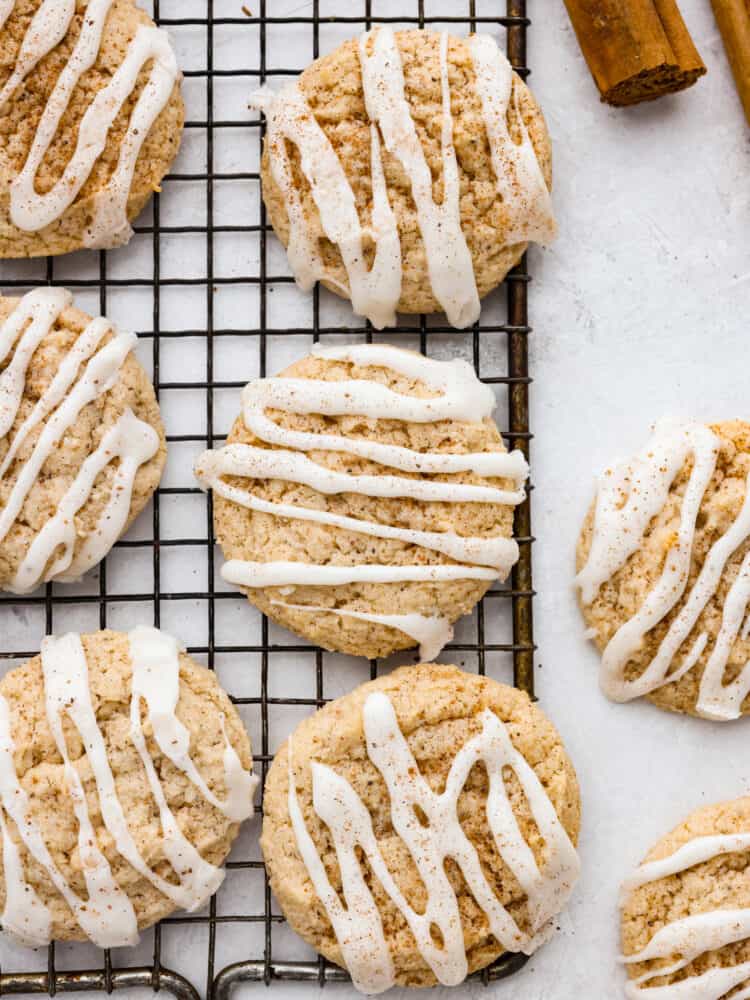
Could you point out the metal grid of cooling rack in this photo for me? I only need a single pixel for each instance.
(498, 637)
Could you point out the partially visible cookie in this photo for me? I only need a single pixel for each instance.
(407, 171)
(124, 774)
(365, 498)
(90, 121)
(82, 446)
(686, 910)
(422, 825)
(664, 570)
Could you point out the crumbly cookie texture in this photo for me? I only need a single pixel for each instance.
(133, 389)
(201, 706)
(722, 882)
(20, 117)
(437, 708)
(251, 535)
(333, 88)
(619, 598)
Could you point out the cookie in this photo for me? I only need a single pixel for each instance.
(664, 570)
(124, 775)
(419, 827)
(407, 172)
(380, 506)
(90, 122)
(686, 910)
(82, 447)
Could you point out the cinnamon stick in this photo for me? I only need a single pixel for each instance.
(733, 18)
(637, 50)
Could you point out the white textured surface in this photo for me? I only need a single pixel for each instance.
(638, 310)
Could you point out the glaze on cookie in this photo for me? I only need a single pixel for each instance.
(686, 911)
(664, 570)
(81, 441)
(407, 171)
(381, 498)
(420, 826)
(90, 119)
(124, 773)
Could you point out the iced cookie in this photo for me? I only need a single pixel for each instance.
(686, 910)
(664, 570)
(407, 172)
(81, 442)
(90, 121)
(365, 499)
(419, 827)
(124, 774)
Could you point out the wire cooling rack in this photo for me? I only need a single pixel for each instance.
(213, 299)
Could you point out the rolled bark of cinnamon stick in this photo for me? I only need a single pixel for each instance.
(637, 50)
(733, 18)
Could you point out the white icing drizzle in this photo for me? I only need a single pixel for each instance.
(66, 690)
(430, 632)
(156, 679)
(257, 463)
(6, 8)
(629, 496)
(461, 396)
(357, 925)
(687, 938)
(375, 293)
(107, 916)
(448, 258)
(299, 574)
(36, 312)
(692, 936)
(711, 985)
(133, 442)
(25, 917)
(717, 700)
(260, 463)
(64, 377)
(518, 177)
(643, 483)
(98, 377)
(48, 27)
(365, 952)
(32, 211)
(692, 853)
(87, 371)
